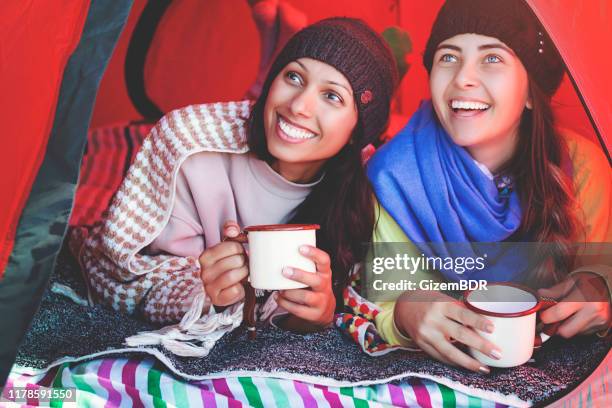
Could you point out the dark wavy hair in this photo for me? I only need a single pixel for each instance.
(342, 202)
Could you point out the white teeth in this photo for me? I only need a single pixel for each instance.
(294, 132)
(468, 105)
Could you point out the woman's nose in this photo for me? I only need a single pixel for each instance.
(467, 76)
(303, 103)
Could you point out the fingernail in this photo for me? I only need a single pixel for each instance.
(489, 328)
(287, 271)
(232, 230)
(496, 354)
(484, 370)
(304, 249)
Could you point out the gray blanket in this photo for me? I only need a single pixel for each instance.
(65, 331)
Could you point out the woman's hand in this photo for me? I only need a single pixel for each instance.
(584, 305)
(315, 305)
(223, 267)
(431, 319)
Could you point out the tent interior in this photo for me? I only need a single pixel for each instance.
(208, 51)
(214, 57)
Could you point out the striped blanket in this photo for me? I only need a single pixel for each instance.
(141, 383)
(67, 332)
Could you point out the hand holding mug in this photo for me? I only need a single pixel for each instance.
(583, 305)
(431, 319)
(514, 311)
(315, 304)
(223, 268)
(271, 248)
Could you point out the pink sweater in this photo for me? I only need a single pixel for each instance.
(193, 173)
(213, 188)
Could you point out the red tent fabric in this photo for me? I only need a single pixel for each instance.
(581, 30)
(34, 55)
(38, 38)
(216, 58)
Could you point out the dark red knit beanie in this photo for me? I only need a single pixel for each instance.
(361, 55)
(512, 22)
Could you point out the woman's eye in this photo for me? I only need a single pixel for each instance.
(492, 59)
(448, 58)
(334, 97)
(294, 77)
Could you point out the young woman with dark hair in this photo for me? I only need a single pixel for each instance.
(341, 202)
(206, 171)
(483, 162)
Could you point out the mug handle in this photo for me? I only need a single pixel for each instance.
(547, 330)
(249, 292)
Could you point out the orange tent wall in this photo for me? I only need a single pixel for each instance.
(37, 40)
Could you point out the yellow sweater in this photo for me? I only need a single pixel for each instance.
(592, 178)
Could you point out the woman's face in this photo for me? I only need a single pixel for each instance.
(309, 117)
(479, 89)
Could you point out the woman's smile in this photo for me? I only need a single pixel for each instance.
(292, 133)
(467, 108)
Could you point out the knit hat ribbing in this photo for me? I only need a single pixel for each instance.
(361, 55)
(510, 21)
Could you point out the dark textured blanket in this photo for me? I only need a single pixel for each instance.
(66, 331)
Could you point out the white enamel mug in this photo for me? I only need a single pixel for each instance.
(273, 247)
(513, 311)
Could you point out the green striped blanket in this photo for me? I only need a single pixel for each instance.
(140, 383)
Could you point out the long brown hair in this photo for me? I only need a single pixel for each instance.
(542, 170)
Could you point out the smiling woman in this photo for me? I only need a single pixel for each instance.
(309, 117)
(484, 162)
(205, 172)
(479, 89)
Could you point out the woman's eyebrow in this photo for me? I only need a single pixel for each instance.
(480, 47)
(495, 45)
(328, 82)
(340, 85)
(449, 46)
(301, 65)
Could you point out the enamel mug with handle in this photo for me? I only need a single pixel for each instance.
(271, 248)
(513, 311)
(274, 247)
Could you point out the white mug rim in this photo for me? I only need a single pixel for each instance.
(281, 227)
(529, 311)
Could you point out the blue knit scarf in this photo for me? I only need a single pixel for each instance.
(438, 195)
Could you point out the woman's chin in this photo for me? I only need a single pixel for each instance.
(466, 136)
(284, 154)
